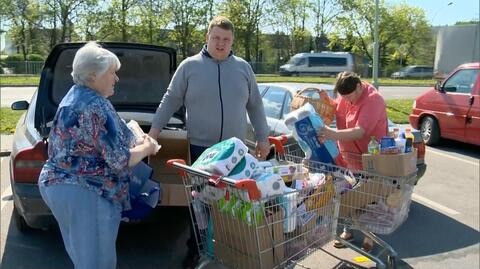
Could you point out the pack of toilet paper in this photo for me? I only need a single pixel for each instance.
(304, 123)
(222, 157)
(270, 184)
(245, 168)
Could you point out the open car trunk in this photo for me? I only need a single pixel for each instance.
(145, 73)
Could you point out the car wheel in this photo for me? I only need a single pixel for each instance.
(430, 131)
(20, 223)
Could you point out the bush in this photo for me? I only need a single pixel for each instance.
(15, 58)
(35, 57)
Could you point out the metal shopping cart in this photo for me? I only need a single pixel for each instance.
(238, 228)
(370, 203)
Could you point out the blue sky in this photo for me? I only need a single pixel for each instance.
(439, 12)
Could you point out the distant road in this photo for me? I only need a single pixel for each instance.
(401, 92)
(12, 94)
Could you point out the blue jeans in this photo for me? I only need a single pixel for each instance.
(88, 223)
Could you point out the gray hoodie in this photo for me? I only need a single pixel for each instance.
(217, 95)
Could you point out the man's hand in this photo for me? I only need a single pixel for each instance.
(154, 133)
(261, 150)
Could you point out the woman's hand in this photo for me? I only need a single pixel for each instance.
(326, 133)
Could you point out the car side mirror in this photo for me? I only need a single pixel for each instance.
(20, 105)
(438, 86)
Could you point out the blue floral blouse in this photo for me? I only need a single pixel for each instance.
(89, 146)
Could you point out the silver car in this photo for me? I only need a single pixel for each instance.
(277, 98)
(145, 74)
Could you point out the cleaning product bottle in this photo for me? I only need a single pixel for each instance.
(396, 132)
(409, 140)
(373, 146)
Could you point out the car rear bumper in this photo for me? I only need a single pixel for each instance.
(413, 120)
(31, 206)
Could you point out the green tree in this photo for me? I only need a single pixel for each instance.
(186, 15)
(154, 17)
(292, 16)
(247, 24)
(25, 19)
(324, 13)
(398, 25)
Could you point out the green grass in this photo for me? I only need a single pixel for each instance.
(33, 80)
(8, 120)
(397, 111)
(19, 80)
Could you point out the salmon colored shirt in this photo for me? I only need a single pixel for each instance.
(369, 113)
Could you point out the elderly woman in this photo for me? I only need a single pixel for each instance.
(86, 178)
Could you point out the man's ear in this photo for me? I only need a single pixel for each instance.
(206, 38)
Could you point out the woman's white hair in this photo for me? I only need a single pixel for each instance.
(92, 59)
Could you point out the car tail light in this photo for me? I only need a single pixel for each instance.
(28, 163)
(420, 146)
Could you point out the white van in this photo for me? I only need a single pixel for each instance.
(325, 63)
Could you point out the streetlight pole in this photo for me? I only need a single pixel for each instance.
(375, 48)
(438, 10)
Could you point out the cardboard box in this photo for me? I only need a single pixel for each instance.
(373, 190)
(236, 243)
(174, 146)
(403, 164)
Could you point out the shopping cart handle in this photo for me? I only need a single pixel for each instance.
(278, 142)
(250, 186)
(179, 161)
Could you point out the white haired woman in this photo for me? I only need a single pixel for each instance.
(86, 178)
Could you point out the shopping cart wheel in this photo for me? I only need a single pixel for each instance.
(391, 262)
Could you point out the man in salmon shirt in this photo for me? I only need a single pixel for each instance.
(360, 114)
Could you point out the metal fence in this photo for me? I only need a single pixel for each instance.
(22, 67)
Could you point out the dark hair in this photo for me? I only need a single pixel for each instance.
(222, 22)
(346, 82)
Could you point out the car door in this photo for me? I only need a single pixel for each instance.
(454, 103)
(472, 127)
(250, 136)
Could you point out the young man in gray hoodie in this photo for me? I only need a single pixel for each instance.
(218, 89)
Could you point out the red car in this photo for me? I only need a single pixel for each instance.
(451, 109)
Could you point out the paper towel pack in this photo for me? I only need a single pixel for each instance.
(222, 157)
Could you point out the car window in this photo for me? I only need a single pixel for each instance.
(286, 106)
(462, 81)
(261, 88)
(144, 76)
(273, 101)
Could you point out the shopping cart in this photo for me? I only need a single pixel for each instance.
(238, 228)
(370, 203)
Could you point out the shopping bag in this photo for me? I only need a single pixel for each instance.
(144, 193)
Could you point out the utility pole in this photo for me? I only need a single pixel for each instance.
(375, 49)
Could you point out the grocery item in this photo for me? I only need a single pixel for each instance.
(373, 146)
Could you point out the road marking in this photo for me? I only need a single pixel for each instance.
(6, 193)
(453, 157)
(434, 205)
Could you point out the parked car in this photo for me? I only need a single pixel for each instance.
(414, 71)
(276, 101)
(145, 74)
(451, 109)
